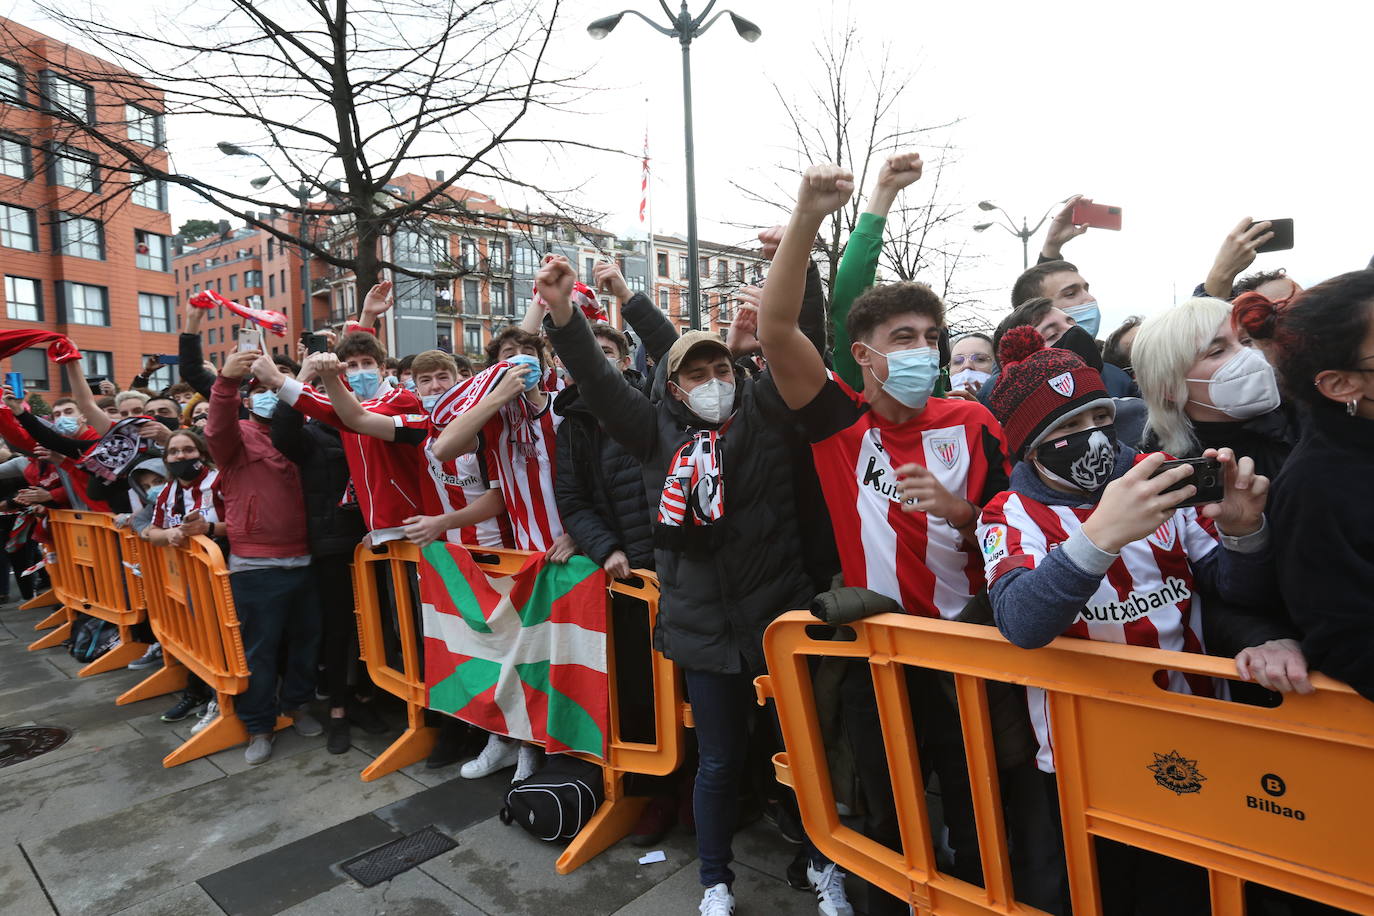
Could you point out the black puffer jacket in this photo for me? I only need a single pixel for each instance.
(600, 486)
(333, 529)
(725, 584)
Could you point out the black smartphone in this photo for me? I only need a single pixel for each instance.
(315, 343)
(1283, 236)
(1207, 476)
(94, 382)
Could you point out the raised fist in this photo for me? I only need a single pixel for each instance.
(824, 189)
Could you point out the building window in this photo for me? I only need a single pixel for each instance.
(703, 267)
(727, 309)
(526, 260)
(87, 304)
(739, 272)
(14, 158)
(150, 250)
(149, 192)
(195, 288)
(522, 303)
(155, 313)
(11, 82)
(589, 265)
(413, 247)
(469, 254)
(80, 237)
(144, 126)
(663, 300)
(496, 253)
(271, 284)
(74, 168)
(252, 278)
(498, 298)
(18, 228)
(443, 336)
(682, 267)
(33, 365)
(472, 338)
(268, 246)
(722, 271)
(69, 96)
(98, 363)
(23, 299)
(233, 282)
(162, 377)
(662, 258)
(472, 294)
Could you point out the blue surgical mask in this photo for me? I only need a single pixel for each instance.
(911, 375)
(1087, 315)
(67, 426)
(264, 404)
(409, 384)
(153, 492)
(524, 359)
(364, 384)
(429, 401)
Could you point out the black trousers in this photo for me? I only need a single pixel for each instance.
(333, 577)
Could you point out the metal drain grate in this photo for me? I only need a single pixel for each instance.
(20, 744)
(386, 862)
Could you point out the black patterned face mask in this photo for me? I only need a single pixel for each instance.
(1082, 460)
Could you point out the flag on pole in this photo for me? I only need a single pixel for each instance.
(644, 180)
(521, 655)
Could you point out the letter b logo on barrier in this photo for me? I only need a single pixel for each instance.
(1272, 784)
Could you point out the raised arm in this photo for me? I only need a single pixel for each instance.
(655, 331)
(222, 433)
(85, 402)
(797, 368)
(1237, 252)
(376, 303)
(460, 436)
(191, 355)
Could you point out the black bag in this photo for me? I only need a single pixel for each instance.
(92, 638)
(556, 802)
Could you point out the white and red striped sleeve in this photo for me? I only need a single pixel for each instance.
(310, 402)
(1009, 537)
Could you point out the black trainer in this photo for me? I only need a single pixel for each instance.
(339, 740)
(186, 705)
(366, 717)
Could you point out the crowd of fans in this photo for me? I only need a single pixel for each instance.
(1016, 478)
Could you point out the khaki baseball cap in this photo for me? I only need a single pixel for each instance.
(689, 342)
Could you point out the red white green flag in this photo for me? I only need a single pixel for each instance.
(521, 655)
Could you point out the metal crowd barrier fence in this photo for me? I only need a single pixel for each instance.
(1270, 796)
(395, 564)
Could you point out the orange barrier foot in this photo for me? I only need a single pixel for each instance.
(165, 680)
(223, 733)
(611, 823)
(118, 657)
(54, 638)
(56, 618)
(413, 746)
(47, 599)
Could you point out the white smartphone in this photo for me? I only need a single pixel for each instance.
(249, 339)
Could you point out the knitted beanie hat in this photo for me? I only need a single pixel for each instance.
(1040, 387)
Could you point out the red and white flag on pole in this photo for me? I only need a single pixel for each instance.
(644, 181)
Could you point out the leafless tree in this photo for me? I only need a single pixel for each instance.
(339, 99)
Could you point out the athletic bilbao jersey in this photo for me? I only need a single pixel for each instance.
(921, 562)
(1147, 598)
(524, 471)
(387, 476)
(178, 500)
(456, 484)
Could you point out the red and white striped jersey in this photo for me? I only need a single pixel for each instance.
(456, 484)
(178, 500)
(1147, 598)
(921, 562)
(387, 476)
(523, 465)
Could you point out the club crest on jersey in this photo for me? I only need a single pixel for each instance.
(1063, 384)
(946, 450)
(1164, 536)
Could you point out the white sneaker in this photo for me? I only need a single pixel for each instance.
(828, 883)
(529, 761)
(208, 715)
(717, 901)
(497, 755)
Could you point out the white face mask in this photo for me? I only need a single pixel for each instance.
(965, 377)
(1242, 387)
(712, 400)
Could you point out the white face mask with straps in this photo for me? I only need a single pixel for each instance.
(1243, 387)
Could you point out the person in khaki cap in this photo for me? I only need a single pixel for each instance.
(720, 453)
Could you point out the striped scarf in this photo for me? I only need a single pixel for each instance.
(518, 415)
(694, 490)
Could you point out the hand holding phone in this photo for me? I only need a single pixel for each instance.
(249, 339)
(14, 382)
(1096, 216)
(1283, 236)
(1207, 477)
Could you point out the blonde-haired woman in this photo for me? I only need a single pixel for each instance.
(1206, 386)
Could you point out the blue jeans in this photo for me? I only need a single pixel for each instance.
(722, 705)
(276, 606)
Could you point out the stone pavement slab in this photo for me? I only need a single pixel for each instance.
(20, 891)
(411, 893)
(186, 900)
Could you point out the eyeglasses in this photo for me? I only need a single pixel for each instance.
(972, 359)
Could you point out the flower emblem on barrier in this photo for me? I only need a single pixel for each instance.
(1177, 773)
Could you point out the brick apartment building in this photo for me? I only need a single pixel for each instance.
(723, 269)
(84, 246)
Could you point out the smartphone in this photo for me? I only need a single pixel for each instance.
(249, 339)
(15, 381)
(1283, 235)
(315, 343)
(1098, 216)
(1207, 477)
(168, 359)
(94, 382)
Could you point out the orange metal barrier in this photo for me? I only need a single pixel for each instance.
(96, 573)
(191, 611)
(618, 813)
(1272, 796)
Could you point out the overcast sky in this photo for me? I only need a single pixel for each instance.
(1188, 115)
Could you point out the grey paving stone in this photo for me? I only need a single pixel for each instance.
(24, 672)
(20, 891)
(411, 893)
(186, 900)
(451, 806)
(39, 799)
(502, 869)
(137, 853)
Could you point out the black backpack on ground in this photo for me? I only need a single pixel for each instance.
(557, 801)
(92, 638)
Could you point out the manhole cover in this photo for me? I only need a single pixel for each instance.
(20, 744)
(386, 862)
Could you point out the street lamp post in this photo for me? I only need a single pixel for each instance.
(1024, 233)
(684, 27)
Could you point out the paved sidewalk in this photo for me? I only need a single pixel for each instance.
(99, 827)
